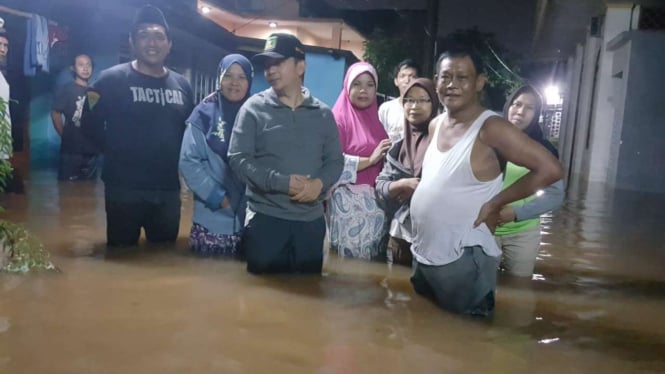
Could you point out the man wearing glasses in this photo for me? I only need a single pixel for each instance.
(137, 112)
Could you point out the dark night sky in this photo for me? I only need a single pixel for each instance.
(512, 21)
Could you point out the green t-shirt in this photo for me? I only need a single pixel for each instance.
(513, 174)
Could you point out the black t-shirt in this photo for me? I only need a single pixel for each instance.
(69, 101)
(140, 121)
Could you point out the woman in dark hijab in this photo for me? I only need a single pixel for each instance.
(518, 234)
(403, 167)
(219, 196)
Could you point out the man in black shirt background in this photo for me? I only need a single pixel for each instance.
(78, 155)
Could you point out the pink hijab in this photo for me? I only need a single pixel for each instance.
(360, 130)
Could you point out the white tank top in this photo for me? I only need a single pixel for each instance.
(448, 199)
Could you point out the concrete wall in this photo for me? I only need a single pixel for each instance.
(567, 130)
(584, 108)
(617, 20)
(620, 73)
(612, 132)
(641, 157)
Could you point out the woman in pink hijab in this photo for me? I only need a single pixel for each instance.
(357, 224)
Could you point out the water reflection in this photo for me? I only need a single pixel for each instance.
(596, 304)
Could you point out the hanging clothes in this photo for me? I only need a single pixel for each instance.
(36, 55)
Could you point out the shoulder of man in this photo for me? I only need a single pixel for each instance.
(110, 77)
(114, 72)
(493, 121)
(259, 100)
(109, 81)
(320, 105)
(436, 121)
(180, 79)
(495, 128)
(384, 106)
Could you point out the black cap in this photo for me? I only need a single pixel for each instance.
(150, 14)
(280, 46)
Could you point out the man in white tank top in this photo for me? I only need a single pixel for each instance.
(456, 206)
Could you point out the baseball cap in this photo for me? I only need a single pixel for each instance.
(150, 14)
(280, 45)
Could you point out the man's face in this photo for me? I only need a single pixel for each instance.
(404, 77)
(4, 49)
(151, 44)
(83, 67)
(283, 73)
(458, 84)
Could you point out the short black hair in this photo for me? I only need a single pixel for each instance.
(408, 64)
(461, 52)
(77, 55)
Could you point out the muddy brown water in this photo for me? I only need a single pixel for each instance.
(596, 303)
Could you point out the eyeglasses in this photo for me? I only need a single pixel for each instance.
(411, 101)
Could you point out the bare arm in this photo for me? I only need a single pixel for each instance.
(58, 125)
(514, 146)
(376, 156)
(364, 163)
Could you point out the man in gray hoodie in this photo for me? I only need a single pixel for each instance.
(285, 147)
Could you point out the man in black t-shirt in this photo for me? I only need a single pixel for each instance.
(136, 111)
(78, 155)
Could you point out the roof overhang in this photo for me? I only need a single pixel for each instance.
(319, 32)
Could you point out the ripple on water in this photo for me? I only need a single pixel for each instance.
(4, 324)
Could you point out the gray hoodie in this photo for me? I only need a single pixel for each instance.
(271, 141)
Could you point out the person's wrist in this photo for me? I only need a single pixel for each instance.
(401, 185)
(513, 213)
(493, 206)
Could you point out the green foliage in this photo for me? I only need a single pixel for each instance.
(385, 52)
(20, 251)
(502, 71)
(5, 144)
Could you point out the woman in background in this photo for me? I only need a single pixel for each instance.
(357, 224)
(518, 234)
(403, 167)
(219, 196)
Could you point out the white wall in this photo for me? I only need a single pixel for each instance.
(617, 20)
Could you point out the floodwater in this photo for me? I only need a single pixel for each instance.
(596, 304)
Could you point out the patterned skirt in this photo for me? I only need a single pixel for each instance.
(358, 226)
(206, 243)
